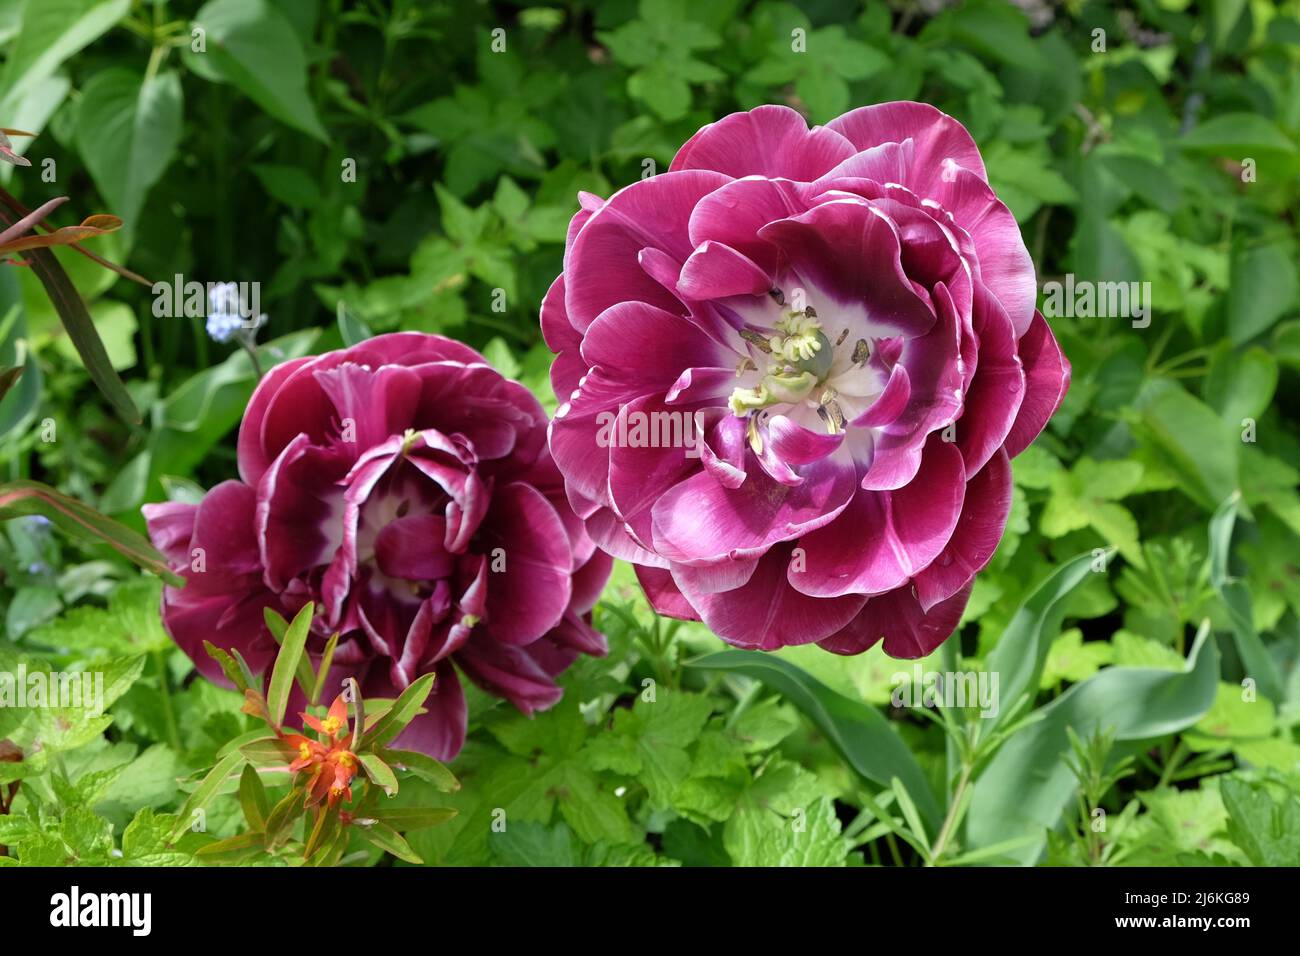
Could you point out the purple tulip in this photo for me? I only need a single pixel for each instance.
(794, 370)
(406, 488)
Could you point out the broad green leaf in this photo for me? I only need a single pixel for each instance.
(290, 185)
(128, 128)
(1240, 385)
(1234, 593)
(51, 31)
(859, 732)
(251, 44)
(1265, 826)
(1263, 289)
(1028, 784)
(1190, 439)
(1237, 135)
(1021, 652)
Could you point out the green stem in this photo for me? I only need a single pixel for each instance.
(252, 357)
(1174, 762)
(169, 712)
(952, 820)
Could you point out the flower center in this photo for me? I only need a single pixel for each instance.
(797, 359)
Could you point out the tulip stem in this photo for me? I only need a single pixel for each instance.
(955, 812)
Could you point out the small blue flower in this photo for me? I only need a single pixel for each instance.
(227, 315)
(222, 326)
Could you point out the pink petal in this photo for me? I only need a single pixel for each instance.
(771, 141)
(976, 537)
(1047, 379)
(885, 537)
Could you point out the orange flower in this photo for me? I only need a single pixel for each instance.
(335, 724)
(330, 766)
(309, 751)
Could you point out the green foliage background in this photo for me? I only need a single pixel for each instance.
(1149, 141)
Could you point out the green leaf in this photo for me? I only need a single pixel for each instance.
(423, 766)
(1240, 385)
(405, 819)
(207, 789)
(252, 798)
(81, 521)
(1267, 828)
(1021, 653)
(127, 626)
(50, 32)
(530, 844)
(1191, 440)
(290, 185)
(859, 732)
(388, 839)
(21, 395)
(403, 711)
(351, 328)
(1073, 660)
(1234, 593)
(379, 772)
(323, 672)
(128, 128)
(251, 44)
(241, 846)
(228, 666)
(267, 751)
(81, 330)
(1237, 135)
(286, 664)
(1028, 783)
(1263, 289)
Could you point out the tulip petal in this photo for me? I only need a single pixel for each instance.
(884, 537)
(1047, 379)
(771, 141)
(979, 530)
(766, 612)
